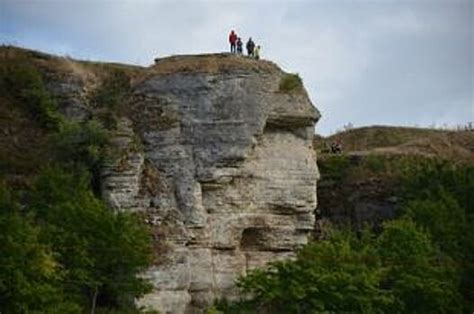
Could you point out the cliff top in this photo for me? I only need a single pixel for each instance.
(211, 63)
(202, 63)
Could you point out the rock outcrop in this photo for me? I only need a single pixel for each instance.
(232, 169)
(218, 160)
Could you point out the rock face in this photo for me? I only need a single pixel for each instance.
(222, 165)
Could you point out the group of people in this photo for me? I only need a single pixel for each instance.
(236, 46)
(336, 147)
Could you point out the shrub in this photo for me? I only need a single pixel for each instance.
(82, 145)
(291, 83)
(335, 167)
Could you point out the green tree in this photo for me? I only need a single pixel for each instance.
(400, 271)
(443, 218)
(338, 275)
(438, 197)
(417, 274)
(101, 252)
(29, 272)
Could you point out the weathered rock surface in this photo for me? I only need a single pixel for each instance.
(224, 168)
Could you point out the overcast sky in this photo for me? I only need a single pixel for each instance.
(365, 62)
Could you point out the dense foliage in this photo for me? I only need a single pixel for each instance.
(419, 263)
(438, 196)
(74, 248)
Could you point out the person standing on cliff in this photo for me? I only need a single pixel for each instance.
(239, 46)
(256, 52)
(250, 47)
(232, 41)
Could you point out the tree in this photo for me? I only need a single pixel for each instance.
(338, 275)
(400, 271)
(101, 251)
(29, 272)
(438, 197)
(417, 274)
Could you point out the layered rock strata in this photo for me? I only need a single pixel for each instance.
(221, 164)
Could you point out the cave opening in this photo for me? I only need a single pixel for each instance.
(253, 238)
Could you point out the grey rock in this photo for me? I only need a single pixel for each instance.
(235, 178)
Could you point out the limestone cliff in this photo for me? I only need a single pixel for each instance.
(215, 156)
(234, 170)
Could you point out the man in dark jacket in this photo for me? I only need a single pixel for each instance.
(232, 41)
(239, 46)
(250, 46)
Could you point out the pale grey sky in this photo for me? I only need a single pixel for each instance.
(365, 62)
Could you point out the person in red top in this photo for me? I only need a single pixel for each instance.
(232, 41)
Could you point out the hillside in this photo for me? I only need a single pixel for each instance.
(362, 185)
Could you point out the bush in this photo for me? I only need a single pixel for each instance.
(82, 146)
(334, 167)
(80, 143)
(291, 83)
